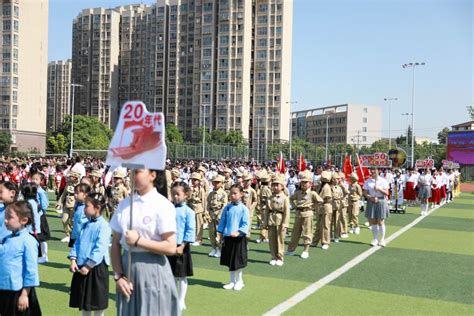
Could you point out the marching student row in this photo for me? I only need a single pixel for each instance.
(163, 229)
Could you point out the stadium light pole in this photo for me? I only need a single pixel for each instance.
(413, 65)
(390, 120)
(408, 125)
(73, 85)
(291, 124)
(327, 137)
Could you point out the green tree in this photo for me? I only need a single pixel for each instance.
(173, 134)
(217, 137)
(89, 133)
(470, 110)
(5, 142)
(443, 135)
(56, 144)
(235, 137)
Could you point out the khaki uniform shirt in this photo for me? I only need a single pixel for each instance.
(250, 198)
(326, 195)
(197, 199)
(355, 192)
(306, 202)
(216, 201)
(118, 193)
(277, 211)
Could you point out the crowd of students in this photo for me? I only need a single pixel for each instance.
(171, 209)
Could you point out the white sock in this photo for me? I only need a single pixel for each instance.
(382, 231)
(374, 231)
(44, 249)
(422, 206)
(238, 274)
(99, 312)
(232, 276)
(426, 208)
(183, 288)
(86, 313)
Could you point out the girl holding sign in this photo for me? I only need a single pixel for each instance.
(376, 193)
(151, 290)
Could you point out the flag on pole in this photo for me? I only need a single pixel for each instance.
(347, 167)
(281, 164)
(362, 172)
(301, 163)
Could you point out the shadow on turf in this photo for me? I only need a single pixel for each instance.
(206, 283)
(56, 265)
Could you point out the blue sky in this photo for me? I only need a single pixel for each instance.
(351, 51)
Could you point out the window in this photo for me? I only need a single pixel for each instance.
(262, 19)
(364, 129)
(207, 18)
(224, 40)
(262, 42)
(6, 67)
(207, 6)
(261, 76)
(364, 120)
(262, 31)
(7, 10)
(207, 41)
(263, 7)
(207, 52)
(365, 110)
(364, 138)
(7, 25)
(15, 54)
(7, 39)
(15, 68)
(224, 28)
(224, 52)
(261, 54)
(16, 11)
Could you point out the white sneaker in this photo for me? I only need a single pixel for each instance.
(382, 243)
(43, 260)
(279, 263)
(205, 226)
(258, 241)
(289, 253)
(65, 239)
(374, 242)
(196, 243)
(304, 255)
(325, 247)
(336, 239)
(238, 286)
(213, 253)
(351, 231)
(265, 241)
(218, 253)
(273, 262)
(344, 236)
(357, 230)
(229, 286)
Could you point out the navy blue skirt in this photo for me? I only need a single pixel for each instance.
(234, 253)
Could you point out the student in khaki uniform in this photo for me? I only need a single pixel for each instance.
(216, 201)
(306, 203)
(277, 219)
(66, 202)
(323, 230)
(175, 176)
(97, 187)
(264, 193)
(337, 196)
(169, 184)
(228, 182)
(342, 224)
(197, 201)
(355, 194)
(204, 183)
(118, 191)
(249, 199)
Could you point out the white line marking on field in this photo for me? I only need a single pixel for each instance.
(300, 296)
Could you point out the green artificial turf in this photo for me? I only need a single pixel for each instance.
(435, 240)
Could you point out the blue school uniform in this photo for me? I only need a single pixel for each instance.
(92, 246)
(36, 217)
(43, 200)
(18, 261)
(235, 217)
(79, 220)
(185, 224)
(3, 229)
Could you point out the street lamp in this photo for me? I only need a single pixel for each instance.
(73, 85)
(291, 124)
(413, 65)
(203, 130)
(389, 120)
(408, 125)
(328, 114)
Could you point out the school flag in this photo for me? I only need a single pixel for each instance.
(362, 172)
(301, 163)
(281, 164)
(347, 167)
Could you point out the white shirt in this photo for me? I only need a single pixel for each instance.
(153, 215)
(381, 183)
(425, 179)
(78, 167)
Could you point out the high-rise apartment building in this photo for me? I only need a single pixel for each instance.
(213, 64)
(59, 93)
(95, 55)
(353, 124)
(23, 72)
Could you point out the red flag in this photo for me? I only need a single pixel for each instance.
(301, 163)
(362, 172)
(281, 164)
(347, 167)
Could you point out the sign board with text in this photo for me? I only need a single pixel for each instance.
(139, 138)
(448, 164)
(424, 164)
(379, 160)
